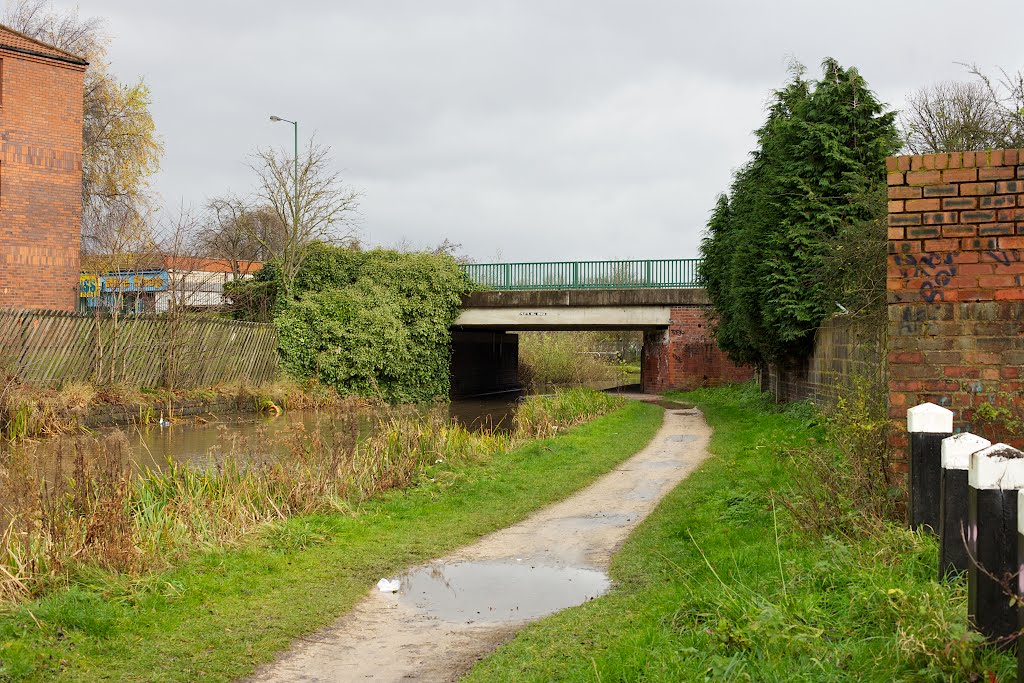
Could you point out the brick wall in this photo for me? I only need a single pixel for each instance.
(685, 356)
(40, 180)
(956, 282)
(848, 351)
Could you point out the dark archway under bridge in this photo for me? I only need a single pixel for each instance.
(678, 350)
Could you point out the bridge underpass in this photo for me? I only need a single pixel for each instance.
(659, 298)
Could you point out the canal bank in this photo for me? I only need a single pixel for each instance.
(449, 613)
(226, 610)
(28, 411)
(205, 438)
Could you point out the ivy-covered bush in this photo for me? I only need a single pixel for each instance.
(778, 250)
(371, 323)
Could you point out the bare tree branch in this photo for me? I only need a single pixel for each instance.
(955, 116)
(313, 207)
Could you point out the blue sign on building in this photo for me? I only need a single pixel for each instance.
(124, 291)
(146, 281)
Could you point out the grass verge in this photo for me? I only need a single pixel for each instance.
(223, 612)
(720, 584)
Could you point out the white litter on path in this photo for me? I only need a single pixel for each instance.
(389, 585)
(388, 639)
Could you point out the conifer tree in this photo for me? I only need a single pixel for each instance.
(820, 151)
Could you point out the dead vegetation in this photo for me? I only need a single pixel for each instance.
(92, 507)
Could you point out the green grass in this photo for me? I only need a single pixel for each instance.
(226, 611)
(718, 585)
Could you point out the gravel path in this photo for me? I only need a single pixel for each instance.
(457, 609)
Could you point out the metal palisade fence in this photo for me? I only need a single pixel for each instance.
(55, 347)
(654, 274)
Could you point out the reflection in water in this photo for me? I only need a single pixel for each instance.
(203, 442)
(498, 591)
(485, 414)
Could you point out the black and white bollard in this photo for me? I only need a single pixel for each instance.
(1020, 582)
(928, 425)
(994, 479)
(956, 460)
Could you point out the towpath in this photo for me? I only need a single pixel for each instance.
(457, 609)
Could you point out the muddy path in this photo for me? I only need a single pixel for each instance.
(457, 609)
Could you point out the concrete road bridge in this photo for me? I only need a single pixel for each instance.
(661, 298)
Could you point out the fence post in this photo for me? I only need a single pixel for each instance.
(1020, 582)
(928, 425)
(956, 460)
(994, 479)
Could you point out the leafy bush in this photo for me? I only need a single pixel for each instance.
(368, 323)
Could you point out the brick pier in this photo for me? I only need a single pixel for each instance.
(956, 282)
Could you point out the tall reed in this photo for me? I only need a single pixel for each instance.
(91, 507)
(549, 359)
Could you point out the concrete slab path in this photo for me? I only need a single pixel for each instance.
(457, 609)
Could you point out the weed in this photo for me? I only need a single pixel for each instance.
(1000, 418)
(548, 359)
(91, 508)
(847, 482)
(542, 416)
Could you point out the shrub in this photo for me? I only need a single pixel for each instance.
(370, 323)
(848, 482)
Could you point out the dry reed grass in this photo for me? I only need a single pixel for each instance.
(91, 507)
(28, 411)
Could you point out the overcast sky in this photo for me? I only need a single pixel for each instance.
(529, 130)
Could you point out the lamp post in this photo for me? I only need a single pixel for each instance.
(295, 195)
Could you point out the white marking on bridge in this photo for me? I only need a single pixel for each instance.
(565, 317)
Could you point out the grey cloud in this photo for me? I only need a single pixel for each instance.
(540, 129)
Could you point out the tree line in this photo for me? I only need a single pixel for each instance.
(801, 233)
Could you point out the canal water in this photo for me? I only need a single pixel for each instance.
(204, 441)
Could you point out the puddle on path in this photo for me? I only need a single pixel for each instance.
(681, 438)
(498, 591)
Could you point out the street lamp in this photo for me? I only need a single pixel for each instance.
(295, 198)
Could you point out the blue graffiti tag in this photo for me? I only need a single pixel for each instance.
(937, 271)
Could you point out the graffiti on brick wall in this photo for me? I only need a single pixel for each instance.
(914, 319)
(935, 271)
(1004, 257)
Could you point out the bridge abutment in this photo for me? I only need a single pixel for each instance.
(685, 356)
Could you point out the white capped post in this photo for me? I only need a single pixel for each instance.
(928, 425)
(956, 460)
(995, 479)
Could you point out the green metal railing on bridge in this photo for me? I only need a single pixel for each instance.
(658, 274)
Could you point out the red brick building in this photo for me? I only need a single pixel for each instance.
(40, 173)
